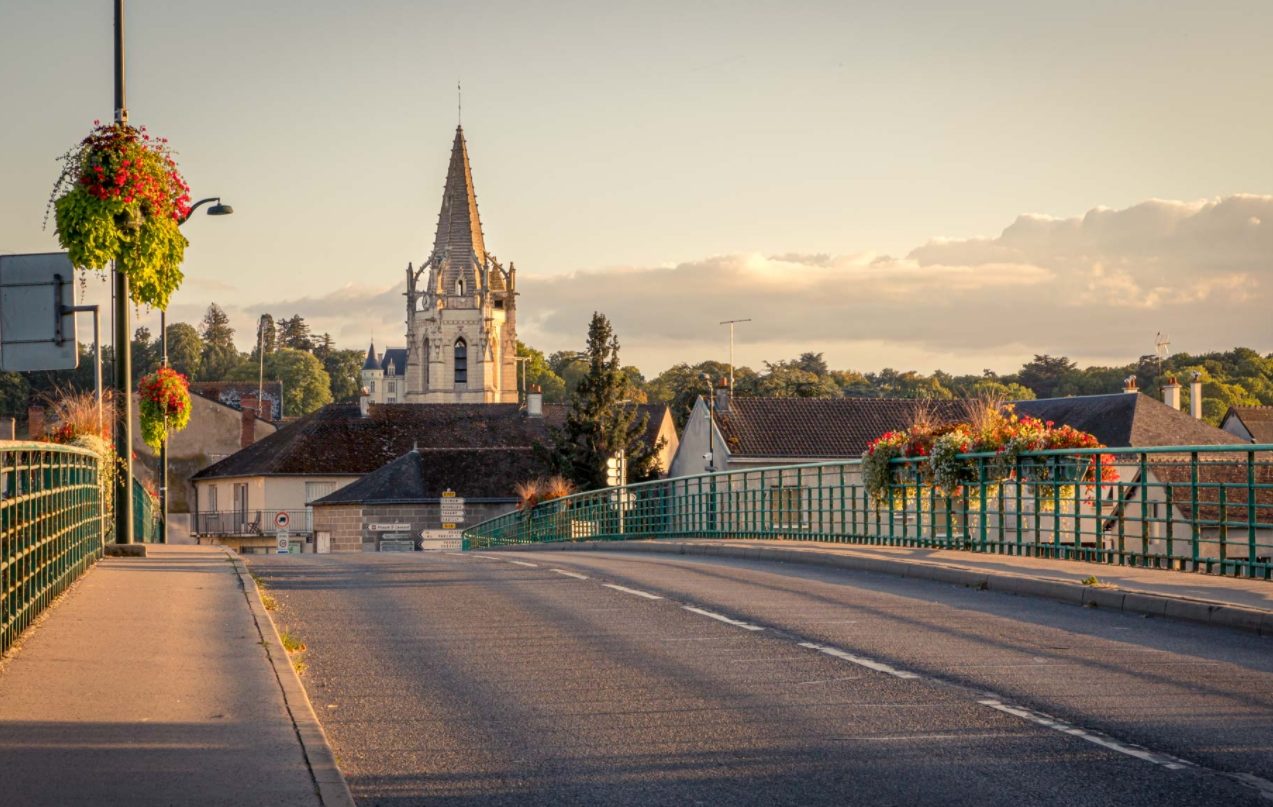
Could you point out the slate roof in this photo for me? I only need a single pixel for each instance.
(1213, 474)
(1125, 419)
(397, 356)
(820, 427)
(337, 440)
(421, 476)
(1257, 420)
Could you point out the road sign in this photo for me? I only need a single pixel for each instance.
(440, 539)
(397, 526)
(37, 327)
(449, 526)
(284, 542)
(282, 519)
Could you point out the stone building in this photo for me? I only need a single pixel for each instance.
(461, 313)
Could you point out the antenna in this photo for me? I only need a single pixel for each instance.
(459, 104)
(1161, 344)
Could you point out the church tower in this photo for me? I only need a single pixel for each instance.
(461, 306)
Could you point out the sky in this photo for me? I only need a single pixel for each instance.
(915, 185)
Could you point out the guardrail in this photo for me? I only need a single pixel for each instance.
(1205, 508)
(249, 523)
(51, 527)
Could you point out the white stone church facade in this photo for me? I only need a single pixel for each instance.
(461, 313)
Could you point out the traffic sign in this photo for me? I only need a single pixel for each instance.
(284, 542)
(282, 519)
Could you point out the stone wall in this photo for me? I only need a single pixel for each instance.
(350, 524)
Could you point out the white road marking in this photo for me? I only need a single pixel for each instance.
(488, 557)
(865, 662)
(569, 574)
(1165, 760)
(627, 590)
(524, 563)
(722, 618)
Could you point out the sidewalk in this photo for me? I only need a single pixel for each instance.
(1231, 602)
(150, 684)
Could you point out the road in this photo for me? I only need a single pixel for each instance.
(519, 678)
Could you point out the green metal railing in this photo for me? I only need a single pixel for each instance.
(51, 527)
(1204, 508)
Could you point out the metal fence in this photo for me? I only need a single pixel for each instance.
(51, 527)
(1205, 508)
(250, 523)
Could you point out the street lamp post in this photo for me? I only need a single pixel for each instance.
(123, 348)
(217, 209)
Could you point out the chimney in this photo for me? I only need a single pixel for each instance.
(1129, 384)
(8, 428)
(1171, 392)
(35, 423)
(247, 428)
(535, 401)
(722, 395)
(259, 406)
(1195, 396)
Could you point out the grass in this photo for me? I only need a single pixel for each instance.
(269, 602)
(291, 643)
(1092, 580)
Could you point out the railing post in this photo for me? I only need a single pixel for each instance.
(1193, 502)
(1252, 551)
(981, 503)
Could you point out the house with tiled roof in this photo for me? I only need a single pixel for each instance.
(484, 450)
(1254, 424)
(384, 377)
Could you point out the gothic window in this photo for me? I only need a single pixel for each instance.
(459, 287)
(461, 362)
(427, 356)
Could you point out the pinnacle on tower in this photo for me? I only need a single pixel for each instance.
(459, 226)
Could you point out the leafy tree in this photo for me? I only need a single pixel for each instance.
(185, 349)
(146, 353)
(324, 347)
(681, 384)
(538, 372)
(1048, 376)
(812, 363)
(294, 333)
(344, 369)
(15, 392)
(266, 335)
(219, 354)
(306, 385)
(788, 379)
(600, 422)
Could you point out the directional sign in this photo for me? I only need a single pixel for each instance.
(449, 526)
(440, 539)
(284, 542)
(397, 526)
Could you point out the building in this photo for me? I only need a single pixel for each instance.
(1253, 424)
(745, 432)
(235, 394)
(461, 312)
(482, 450)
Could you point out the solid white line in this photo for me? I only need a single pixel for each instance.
(524, 563)
(627, 590)
(722, 618)
(1166, 761)
(488, 557)
(865, 662)
(569, 574)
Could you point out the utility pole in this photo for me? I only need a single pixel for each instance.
(123, 343)
(731, 323)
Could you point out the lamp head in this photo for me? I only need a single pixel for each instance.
(219, 209)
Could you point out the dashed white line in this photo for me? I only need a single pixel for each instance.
(722, 618)
(627, 590)
(569, 574)
(859, 660)
(487, 557)
(524, 563)
(1165, 760)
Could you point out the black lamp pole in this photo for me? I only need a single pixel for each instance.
(123, 347)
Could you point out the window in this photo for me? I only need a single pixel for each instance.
(461, 362)
(372, 388)
(459, 287)
(212, 498)
(393, 387)
(427, 357)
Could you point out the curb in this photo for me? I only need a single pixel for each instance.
(1206, 612)
(333, 790)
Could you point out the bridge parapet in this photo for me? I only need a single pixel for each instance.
(1204, 508)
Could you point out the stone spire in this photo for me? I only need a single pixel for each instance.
(459, 226)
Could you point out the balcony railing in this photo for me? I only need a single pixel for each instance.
(1206, 508)
(251, 523)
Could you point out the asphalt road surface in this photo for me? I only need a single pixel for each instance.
(563, 678)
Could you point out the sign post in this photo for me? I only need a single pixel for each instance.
(284, 542)
(451, 510)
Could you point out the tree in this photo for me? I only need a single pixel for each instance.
(787, 379)
(266, 335)
(146, 353)
(681, 384)
(219, 354)
(537, 372)
(185, 349)
(306, 385)
(602, 422)
(344, 369)
(294, 333)
(812, 363)
(1048, 376)
(324, 347)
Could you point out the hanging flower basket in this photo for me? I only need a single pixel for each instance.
(165, 405)
(121, 198)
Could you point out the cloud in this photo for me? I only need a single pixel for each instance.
(1096, 287)
(1099, 286)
